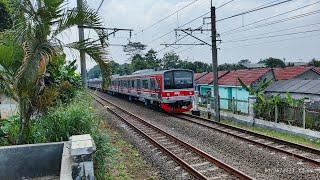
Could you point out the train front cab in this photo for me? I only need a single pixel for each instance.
(178, 91)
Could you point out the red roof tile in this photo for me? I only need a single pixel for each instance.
(248, 76)
(317, 69)
(208, 78)
(289, 72)
(199, 75)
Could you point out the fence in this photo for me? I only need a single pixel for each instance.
(233, 105)
(303, 117)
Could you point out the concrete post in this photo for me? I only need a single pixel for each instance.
(233, 104)
(195, 109)
(276, 113)
(252, 100)
(82, 149)
(304, 115)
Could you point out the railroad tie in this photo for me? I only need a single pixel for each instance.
(209, 169)
(218, 177)
(200, 164)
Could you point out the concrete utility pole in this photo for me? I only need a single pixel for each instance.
(215, 63)
(82, 53)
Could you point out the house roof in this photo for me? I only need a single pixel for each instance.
(317, 69)
(289, 72)
(295, 86)
(248, 76)
(199, 75)
(208, 78)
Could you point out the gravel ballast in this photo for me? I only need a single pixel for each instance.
(165, 167)
(256, 161)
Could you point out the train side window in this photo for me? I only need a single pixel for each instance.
(152, 84)
(145, 84)
(132, 83)
(128, 84)
(139, 83)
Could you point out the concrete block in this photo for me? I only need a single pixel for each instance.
(82, 145)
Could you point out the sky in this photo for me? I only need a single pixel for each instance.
(288, 36)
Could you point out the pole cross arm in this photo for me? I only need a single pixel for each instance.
(196, 38)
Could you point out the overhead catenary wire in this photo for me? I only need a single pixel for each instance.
(268, 18)
(280, 30)
(272, 36)
(269, 42)
(254, 10)
(192, 20)
(166, 17)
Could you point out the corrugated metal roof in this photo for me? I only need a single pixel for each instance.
(248, 76)
(289, 72)
(295, 86)
(199, 75)
(208, 78)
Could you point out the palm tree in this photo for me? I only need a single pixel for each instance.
(38, 30)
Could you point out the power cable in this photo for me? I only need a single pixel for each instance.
(273, 36)
(281, 30)
(166, 17)
(254, 10)
(271, 17)
(269, 42)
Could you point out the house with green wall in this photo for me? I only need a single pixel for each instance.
(233, 96)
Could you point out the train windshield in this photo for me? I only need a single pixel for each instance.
(178, 80)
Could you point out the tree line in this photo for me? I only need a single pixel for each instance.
(171, 60)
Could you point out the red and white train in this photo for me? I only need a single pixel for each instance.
(171, 90)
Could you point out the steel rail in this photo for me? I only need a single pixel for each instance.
(180, 161)
(255, 134)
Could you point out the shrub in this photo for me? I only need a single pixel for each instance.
(61, 122)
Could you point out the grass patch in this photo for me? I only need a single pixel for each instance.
(126, 161)
(315, 143)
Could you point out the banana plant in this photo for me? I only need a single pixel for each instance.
(258, 90)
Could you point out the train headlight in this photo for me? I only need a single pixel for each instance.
(190, 93)
(168, 94)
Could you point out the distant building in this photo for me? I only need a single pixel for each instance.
(230, 88)
(298, 88)
(296, 72)
(253, 66)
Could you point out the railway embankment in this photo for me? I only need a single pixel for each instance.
(255, 160)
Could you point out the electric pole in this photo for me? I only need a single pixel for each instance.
(215, 63)
(82, 53)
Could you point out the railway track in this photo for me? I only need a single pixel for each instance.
(305, 153)
(195, 161)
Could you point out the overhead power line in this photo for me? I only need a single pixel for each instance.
(281, 30)
(269, 42)
(268, 18)
(281, 21)
(168, 16)
(192, 20)
(253, 10)
(273, 36)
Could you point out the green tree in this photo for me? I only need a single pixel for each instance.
(244, 61)
(133, 48)
(138, 63)
(95, 72)
(273, 62)
(37, 30)
(170, 60)
(314, 62)
(5, 17)
(151, 60)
